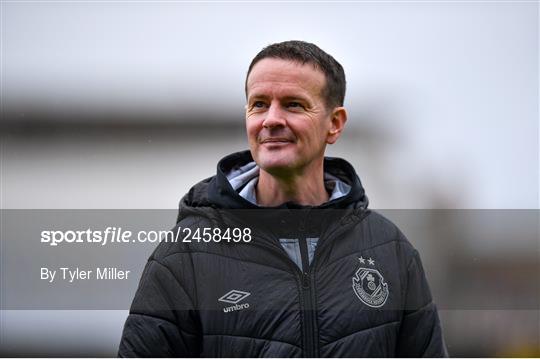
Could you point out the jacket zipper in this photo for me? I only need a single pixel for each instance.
(308, 300)
(311, 336)
(310, 329)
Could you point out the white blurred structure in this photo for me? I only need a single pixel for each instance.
(450, 89)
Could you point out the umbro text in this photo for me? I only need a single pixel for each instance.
(232, 308)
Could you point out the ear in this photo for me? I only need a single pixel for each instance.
(337, 123)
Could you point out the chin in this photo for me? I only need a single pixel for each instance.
(276, 164)
(276, 160)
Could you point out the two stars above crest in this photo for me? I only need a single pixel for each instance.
(370, 261)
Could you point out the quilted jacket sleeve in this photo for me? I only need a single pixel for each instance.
(162, 321)
(420, 332)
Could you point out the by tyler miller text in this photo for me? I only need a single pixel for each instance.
(77, 274)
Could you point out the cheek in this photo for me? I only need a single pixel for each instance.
(252, 129)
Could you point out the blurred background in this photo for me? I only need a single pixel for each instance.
(125, 105)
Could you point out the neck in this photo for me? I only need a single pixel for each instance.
(306, 189)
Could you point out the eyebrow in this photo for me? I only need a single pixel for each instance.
(257, 97)
(285, 98)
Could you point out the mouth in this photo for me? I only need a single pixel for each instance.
(276, 140)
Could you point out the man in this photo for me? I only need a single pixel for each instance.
(313, 272)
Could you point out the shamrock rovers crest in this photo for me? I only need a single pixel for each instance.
(369, 285)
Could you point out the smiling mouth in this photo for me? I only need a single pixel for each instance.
(276, 140)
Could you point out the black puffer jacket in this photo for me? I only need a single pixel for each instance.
(364, 294)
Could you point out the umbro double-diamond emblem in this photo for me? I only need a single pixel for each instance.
(234, 297)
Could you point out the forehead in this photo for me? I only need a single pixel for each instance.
(278, 75)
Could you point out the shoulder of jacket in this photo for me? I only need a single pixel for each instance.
(175, 240)
(383, 230)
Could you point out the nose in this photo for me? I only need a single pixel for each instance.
(274, 117)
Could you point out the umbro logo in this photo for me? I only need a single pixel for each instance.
(234, 297)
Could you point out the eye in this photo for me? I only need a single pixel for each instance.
(295, 104)
(258, 104)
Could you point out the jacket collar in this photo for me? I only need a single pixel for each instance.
(222, 195)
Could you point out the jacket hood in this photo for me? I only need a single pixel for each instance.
(215, 198)
(217, 191)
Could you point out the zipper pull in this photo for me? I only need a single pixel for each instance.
(305, 280)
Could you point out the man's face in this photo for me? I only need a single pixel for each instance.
(287, 121)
